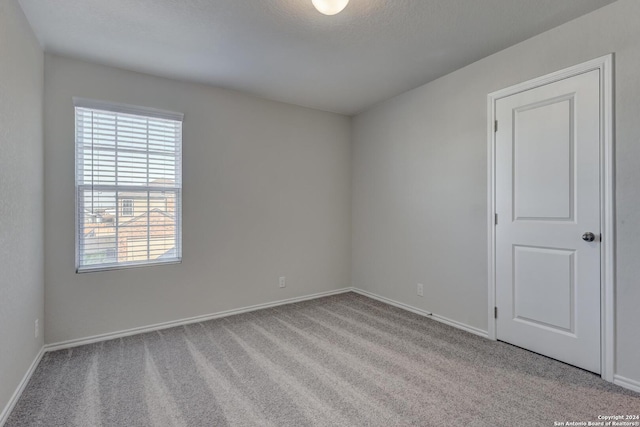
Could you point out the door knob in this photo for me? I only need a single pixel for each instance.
(588, 237)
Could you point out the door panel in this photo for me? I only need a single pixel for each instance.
(543, 286)
(547, 196)
(543, 136)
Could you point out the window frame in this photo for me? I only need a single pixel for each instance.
(147, 112)
(130, 207)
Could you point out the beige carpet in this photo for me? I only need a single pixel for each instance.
(345, 360)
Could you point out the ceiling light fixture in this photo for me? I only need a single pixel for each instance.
(330, 7)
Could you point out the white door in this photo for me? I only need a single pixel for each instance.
(547, 198)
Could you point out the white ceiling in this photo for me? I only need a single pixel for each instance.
(287, 51)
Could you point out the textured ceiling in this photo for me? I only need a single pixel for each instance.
(285, 50)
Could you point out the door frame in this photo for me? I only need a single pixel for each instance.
(607, 199)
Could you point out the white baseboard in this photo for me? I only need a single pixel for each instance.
(627, 383)
(165, 325)
(4, 415)
(441, 319)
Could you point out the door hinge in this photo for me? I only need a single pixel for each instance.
(495, 126)
(495, 312)
(496, 219)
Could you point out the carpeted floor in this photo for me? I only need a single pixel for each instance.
(345, 360)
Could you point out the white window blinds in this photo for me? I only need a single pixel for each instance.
(128, 186)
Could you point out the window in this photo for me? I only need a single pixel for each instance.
(128, 186)
(127, 207)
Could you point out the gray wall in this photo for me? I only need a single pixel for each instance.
(420, 176)
(21, 197)
(266, 194)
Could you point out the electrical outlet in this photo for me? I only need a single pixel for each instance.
(283, 282)
(420, 290)
(37, 328)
